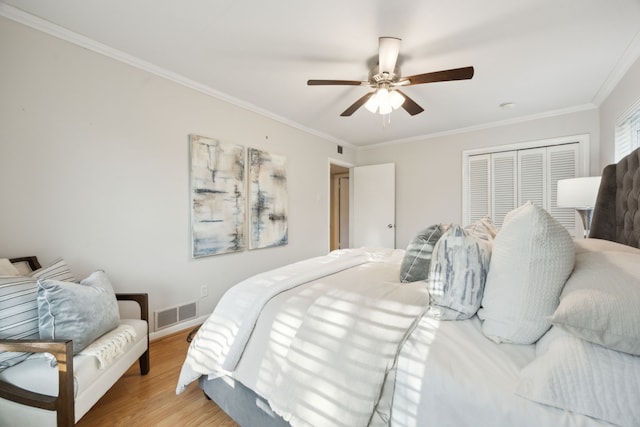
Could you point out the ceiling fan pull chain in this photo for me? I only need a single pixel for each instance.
(386, 120)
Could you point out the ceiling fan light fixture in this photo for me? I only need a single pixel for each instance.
(396, 99)
(372, 103)
(384, 101)
(385, 79)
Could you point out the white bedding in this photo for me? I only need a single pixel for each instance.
(448, 373)
(344, 349)
(221, 339)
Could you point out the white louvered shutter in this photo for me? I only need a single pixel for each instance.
(562, 161)
(623, 140)
(627, 137)
(478, 186)
(532, 182)
(498, 182)
(504, 181)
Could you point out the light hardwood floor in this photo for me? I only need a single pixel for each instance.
(151, 400)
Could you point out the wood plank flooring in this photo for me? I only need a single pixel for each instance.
(151, 400)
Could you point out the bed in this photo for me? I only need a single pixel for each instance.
(518, 327)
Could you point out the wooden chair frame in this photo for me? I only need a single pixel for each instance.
(62, 350)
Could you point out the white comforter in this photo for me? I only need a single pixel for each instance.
(343, 333)
(221, 340)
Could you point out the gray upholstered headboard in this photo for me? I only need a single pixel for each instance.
(616, 215)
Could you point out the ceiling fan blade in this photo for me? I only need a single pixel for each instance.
(359, 103)
(464, 73)
(388, 50)
(335, 82)
(410, 105)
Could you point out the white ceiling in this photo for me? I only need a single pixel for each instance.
(546, 56)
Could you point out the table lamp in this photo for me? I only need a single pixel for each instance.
(580, 194)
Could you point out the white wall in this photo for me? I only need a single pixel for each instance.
(623, 96)
(94, 169)
(429, 172)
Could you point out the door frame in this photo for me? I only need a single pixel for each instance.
(332, 161)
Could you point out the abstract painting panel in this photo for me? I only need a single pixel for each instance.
(217, 197)
(268, 200)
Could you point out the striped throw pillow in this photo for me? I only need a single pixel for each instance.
(19, 307)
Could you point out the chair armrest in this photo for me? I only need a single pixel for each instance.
(64, 403)
(143, 302)
(141, 299)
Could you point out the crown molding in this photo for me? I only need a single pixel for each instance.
(628, 58)
(57, 31)
(516, 120)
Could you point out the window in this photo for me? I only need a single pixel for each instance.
(499, 179)
(628, 132)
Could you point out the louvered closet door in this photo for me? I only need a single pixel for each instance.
(504, 185)
(532, 173)
(501, 181)
(562, 163)
(478, 188)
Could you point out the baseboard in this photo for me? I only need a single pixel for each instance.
(177, 328)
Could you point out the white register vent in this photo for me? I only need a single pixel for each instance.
(173, 315)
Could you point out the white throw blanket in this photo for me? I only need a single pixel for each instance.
(220, 341)
(344, 353)
(111, 345)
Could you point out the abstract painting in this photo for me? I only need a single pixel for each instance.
(268, 199)
(217, 197)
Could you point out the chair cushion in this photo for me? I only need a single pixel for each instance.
(37, 374)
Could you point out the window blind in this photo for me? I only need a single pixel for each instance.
(627, 136)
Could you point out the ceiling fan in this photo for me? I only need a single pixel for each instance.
(385, 78)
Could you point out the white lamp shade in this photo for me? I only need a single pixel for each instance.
(578, 193)
(395, 99)
(372, 103)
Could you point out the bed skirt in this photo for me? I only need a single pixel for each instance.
(240, 403)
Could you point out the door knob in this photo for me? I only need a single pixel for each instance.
(390, 226)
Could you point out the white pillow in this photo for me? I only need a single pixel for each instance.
(601, 300)
(578, 376)
(457, 275)
(8, 269)
(483, 229)
(532, 258)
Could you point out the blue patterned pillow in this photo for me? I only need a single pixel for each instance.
(417, 257)
(457, 275)
(81, 312)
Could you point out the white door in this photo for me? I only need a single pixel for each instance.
(374, 206)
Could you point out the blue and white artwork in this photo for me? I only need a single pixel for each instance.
(217, 196)
(268, 199)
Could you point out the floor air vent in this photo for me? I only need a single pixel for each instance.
(173, 315)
